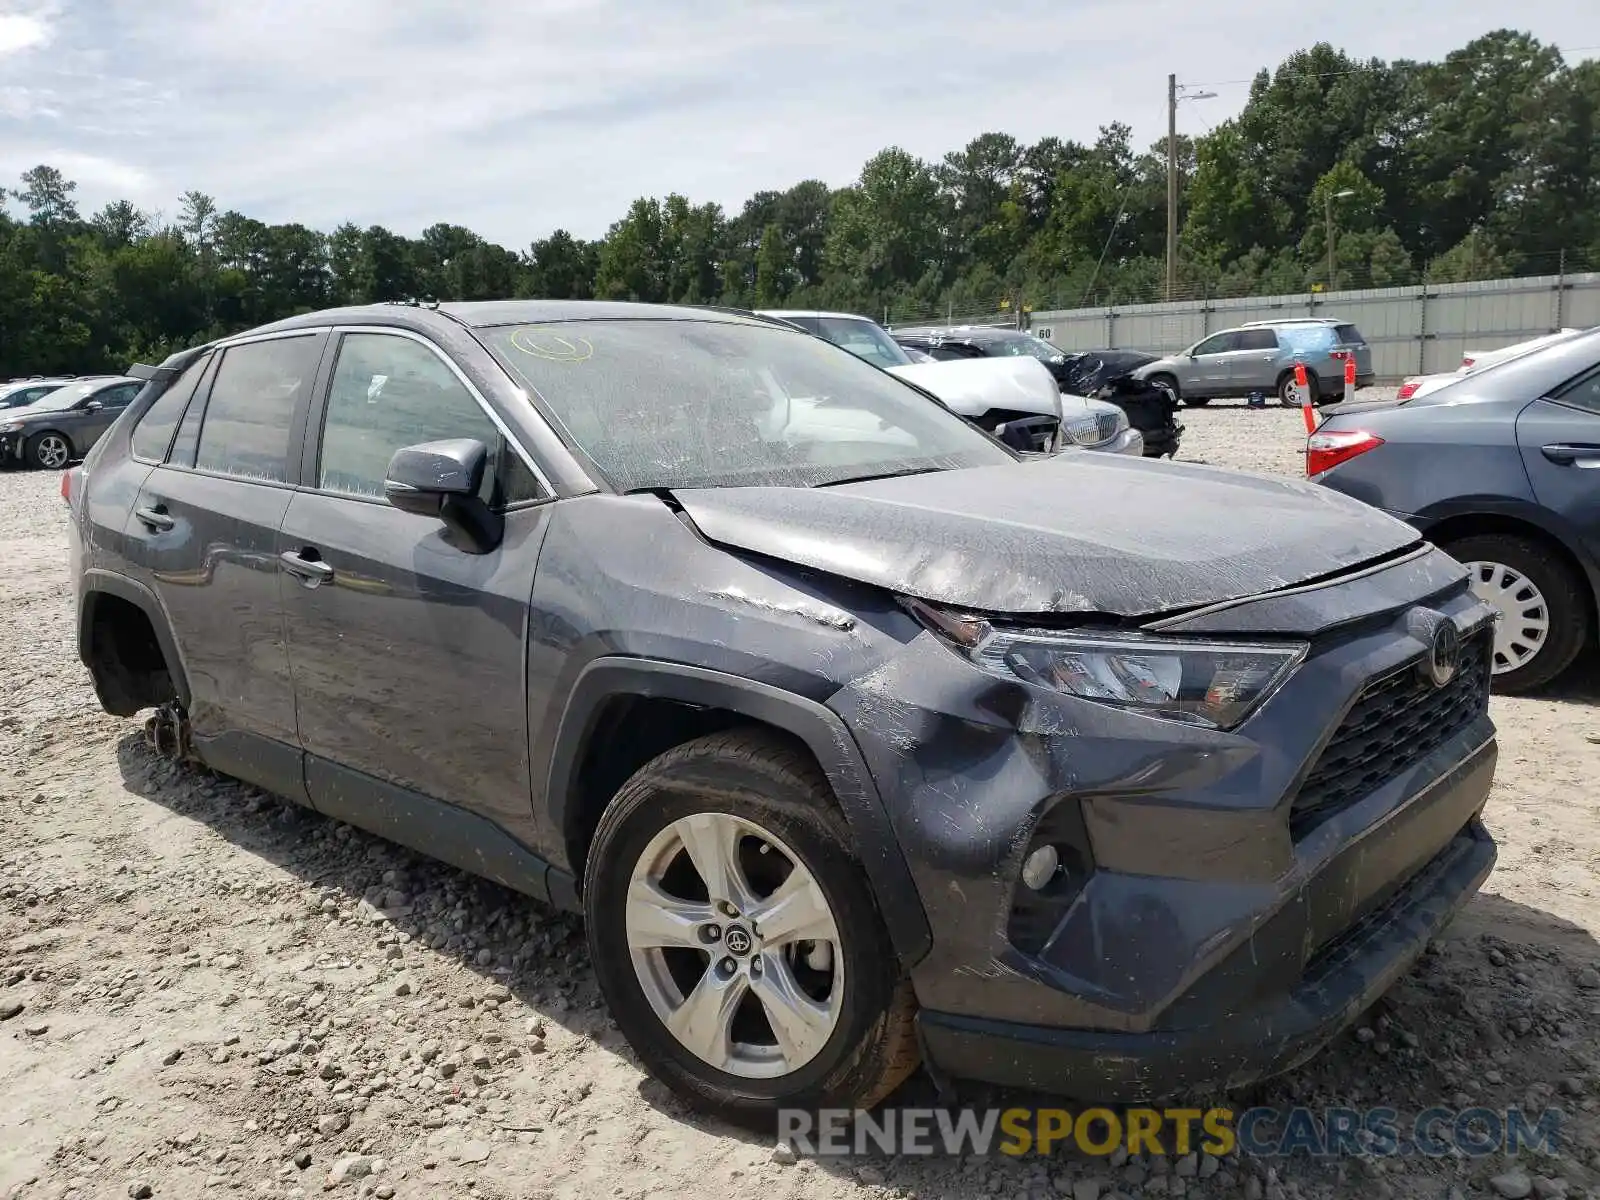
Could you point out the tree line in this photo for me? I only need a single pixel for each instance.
(1484, 164)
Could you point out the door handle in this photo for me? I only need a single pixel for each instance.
(1565, 455)
(311, 571)
(155, 516)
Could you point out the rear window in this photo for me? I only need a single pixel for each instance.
(245, 430)
(152, 436)
(1349, 335)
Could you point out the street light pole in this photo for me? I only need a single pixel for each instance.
(1172, 185)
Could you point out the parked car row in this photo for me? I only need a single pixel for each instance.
(857, 736)
(1101, 374)
(1016, 399)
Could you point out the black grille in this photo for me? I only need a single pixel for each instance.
(1399, 719)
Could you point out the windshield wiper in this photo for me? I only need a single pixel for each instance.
(882, 475)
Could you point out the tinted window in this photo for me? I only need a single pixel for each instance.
(153, 434)
(1257, 339)
(1348, 335)
(390, 392)
(674, 404)
(1583, 392)
(1216, 344)
(245, 430)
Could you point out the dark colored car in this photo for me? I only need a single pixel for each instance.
(839, 721)
(64, 423)
(1502, 469)
(1150, 409)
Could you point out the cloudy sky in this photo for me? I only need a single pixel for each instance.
(518, 116)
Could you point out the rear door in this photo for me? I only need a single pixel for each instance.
(1253, 362)
(1559, 437)
(1208, 370)
(204, 534)
(407, 649)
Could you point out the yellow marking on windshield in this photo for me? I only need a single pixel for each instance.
(553, 348)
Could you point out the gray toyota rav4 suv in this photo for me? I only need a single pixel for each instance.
(858, 740)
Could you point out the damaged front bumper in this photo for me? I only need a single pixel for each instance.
(1234, 899)
(12, 446)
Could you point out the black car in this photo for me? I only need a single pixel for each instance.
(1502, 469)
(854, 735)
(65, 422)
(1100, 374)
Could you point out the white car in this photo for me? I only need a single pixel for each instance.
(994, 393)
(1474, 361)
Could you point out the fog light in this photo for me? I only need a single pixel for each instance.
(1040, 867)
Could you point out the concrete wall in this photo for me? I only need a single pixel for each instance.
(1412, 331)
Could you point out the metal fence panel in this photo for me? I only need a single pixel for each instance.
(1412, 330)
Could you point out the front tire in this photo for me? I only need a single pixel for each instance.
(1197, 401)
(1545, 612)
(1170, 382)
(50, 451)
(735, 936)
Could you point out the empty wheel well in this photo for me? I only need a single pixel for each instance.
(1471, 524)
(628, 732)
(130, 671)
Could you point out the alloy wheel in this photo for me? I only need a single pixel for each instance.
(735, 945)
(1524, 623)
(52, 451)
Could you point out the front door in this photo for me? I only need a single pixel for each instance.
(203, 535)
(407, 649)
(1207, 370)
(1560, 442)
(1253, 362)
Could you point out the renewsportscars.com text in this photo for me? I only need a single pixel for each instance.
(1252, 1132)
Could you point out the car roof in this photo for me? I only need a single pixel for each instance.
(486, 314)
(812, 312)
(1293, 321)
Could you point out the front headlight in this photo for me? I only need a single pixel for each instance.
(11, 427)
(1216, 684)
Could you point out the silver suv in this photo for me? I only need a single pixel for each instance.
(1260, 357)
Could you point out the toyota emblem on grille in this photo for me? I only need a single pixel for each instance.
(1444, 656)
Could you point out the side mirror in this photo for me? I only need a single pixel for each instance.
(93, 406)
(443, 480)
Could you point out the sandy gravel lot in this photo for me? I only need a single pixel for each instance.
(204, 991)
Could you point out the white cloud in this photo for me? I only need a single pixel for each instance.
(521, 116)
(21, 31)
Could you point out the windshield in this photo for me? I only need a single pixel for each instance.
(63, 398)
(683, 404)
(863, 339)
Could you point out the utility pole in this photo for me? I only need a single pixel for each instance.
(1172, 185)
(1333, 264)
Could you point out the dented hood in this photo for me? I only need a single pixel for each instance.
(1081, 532)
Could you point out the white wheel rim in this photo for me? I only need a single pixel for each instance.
(52, 451)
(1524, 623)
(749, 979)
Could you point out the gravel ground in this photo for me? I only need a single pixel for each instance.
(206, 991)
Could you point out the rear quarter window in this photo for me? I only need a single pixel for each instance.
(152, 436)
(1349, 335)
(1306, 339)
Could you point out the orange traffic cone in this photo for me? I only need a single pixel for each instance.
(1306, 410)
(1350, 377)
